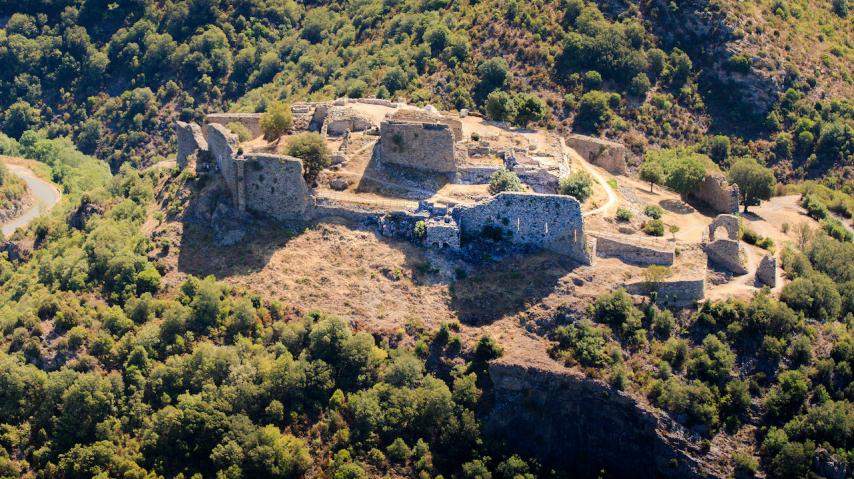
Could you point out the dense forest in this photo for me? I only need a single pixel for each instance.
(105, 371)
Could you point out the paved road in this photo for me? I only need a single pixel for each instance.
(45, 193)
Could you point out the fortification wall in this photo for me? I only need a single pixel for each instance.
(252, 121)
(551, 222)
(630, 250)
(190, 141)
(223, 146)
(678, 293)
(728, 254)
(274, 185)
(413, 115)
(718, 193)
(604, 153)
(425, 146)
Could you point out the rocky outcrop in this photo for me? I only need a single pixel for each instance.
(716, 192)
(582, 426)
(81, 215)
(600, 152)
(766, 273)
(17, 250)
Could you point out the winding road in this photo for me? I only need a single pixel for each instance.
(612, 196)
(45, 193)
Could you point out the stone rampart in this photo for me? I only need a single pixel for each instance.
(678, 293)
(425, 146)
(718, 193)
(551, 222)
(190, 141)
(273, 185)
(633, 250)
(607, 154)
(252, 121)
(223, 148)
(728, 254)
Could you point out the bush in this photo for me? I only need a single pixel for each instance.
(578, 185)
(312, 150)
(815, 295)
(623, 214)
(500, 106)
(276, 121)
(594, 112)
(504, 180)
(653, 211)
(654, 228)
(243, 133)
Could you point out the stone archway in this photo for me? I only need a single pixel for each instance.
(727, 222)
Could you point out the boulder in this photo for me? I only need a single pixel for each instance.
(339, 184)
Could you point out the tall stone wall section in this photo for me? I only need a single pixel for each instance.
(425, 146)
(728, 254)
(607, 154)
(551, 222)
(718, 193)
(191, 141)
(252, 121)
(223, 147)
(633, 251)
(273, 185)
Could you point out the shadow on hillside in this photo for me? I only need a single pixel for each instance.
(399, 181)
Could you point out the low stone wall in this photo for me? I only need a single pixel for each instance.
(425, 146)
(677, 293)
(551, 222)
(252, 121)
(607, 154)
(718, 193)
(475, 174)
(631, 250)
(191, 141)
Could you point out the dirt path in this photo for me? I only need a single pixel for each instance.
(612, 196)
(45, 193)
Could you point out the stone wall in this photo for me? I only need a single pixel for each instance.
(341, 119)
(252, 121)
(413, 115)
(425, 146)
(677, 293)
(766, 272)
(717, 193)
(728, 254)
(582, 426)
(273, 185)
(551, 222)
(190, 141)
(631, 250)
(607, 154)
(729, 223)
(223, 147)
(442, 233)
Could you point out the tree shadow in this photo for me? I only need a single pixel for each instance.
(677, 206)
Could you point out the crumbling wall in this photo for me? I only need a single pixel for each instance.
(766, 273)
(729, 223)
(442, 233)
(252, 121)
(223, 147)
(190, 141)
(551, 222)
(607, 154)
(728, 254)
(718, 193)
(582, 426)
(676, 293)
(413, 115)
(425, 146)
(630, 250)
(341, 119)
(274, 185)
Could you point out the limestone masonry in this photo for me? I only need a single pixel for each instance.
(718, 193)
(607, 154)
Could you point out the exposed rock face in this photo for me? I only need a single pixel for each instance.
(582, 426)
(607, 154)
(633, 251)
(828, 465)
(551, 222)
(86, 210)
(228, 225)
(191, 141)
(766, 273)
(425, 146)
(718, 193)
(17, 250)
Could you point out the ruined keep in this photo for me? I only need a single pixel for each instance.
(607, 154)
(718, 193)
(726, 252)
(550, 222)
(424, 146)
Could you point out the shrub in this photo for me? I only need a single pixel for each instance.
(276, 121)
(504, 180)
(312, 150)
(500, 106)
(243, 133)
(578, 185)
(654, 228)
(815, 295)
(624, 214)
(653, 211)
(585, 342)
(594, 111)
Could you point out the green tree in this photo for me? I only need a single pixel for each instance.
(500, 106)
(815, 295)
(594, 112)
(529, 109)
(685, 175)
(276, 121)
(755, 182)
(312, 150)
(578, 185)
(653, 172)
(504, 180)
